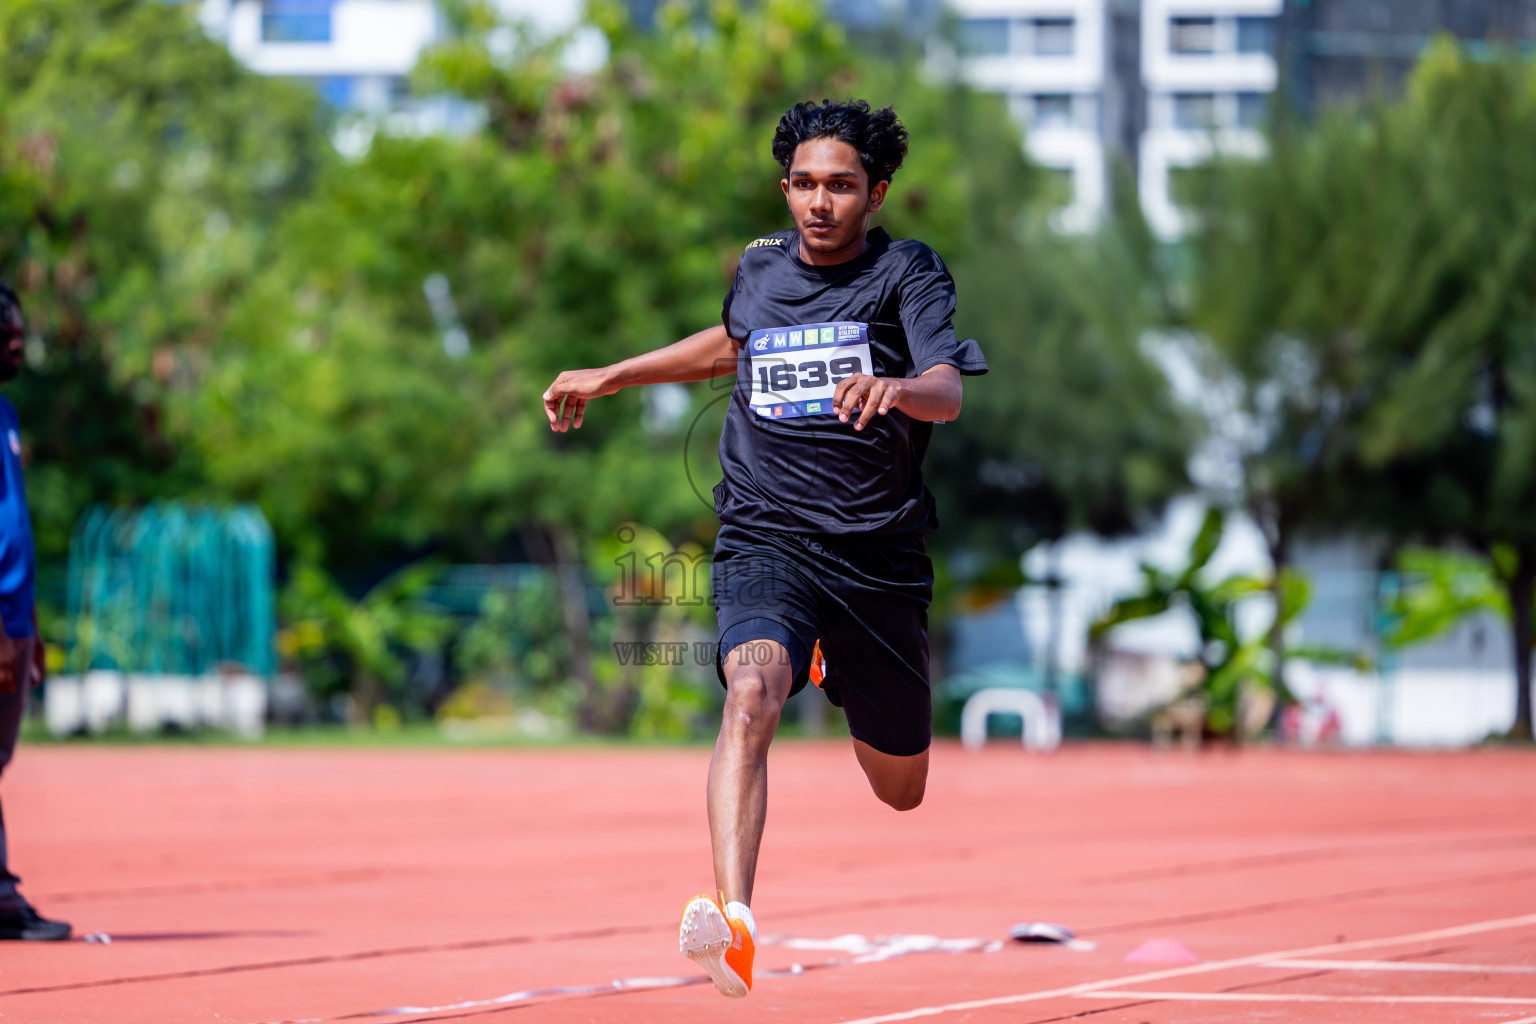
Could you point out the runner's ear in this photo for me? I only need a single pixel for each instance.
(877, 195)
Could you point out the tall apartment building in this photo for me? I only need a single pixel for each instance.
(1154, 83)
(1209, 68)
(1333, 50)
(1055, 61)
(1161, 83)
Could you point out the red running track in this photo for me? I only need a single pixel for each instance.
(283, 885)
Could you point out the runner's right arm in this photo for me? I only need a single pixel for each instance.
(709, 353)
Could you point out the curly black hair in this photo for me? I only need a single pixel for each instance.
(876, 135)
(8, 301)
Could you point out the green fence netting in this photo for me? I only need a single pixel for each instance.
(171, 589)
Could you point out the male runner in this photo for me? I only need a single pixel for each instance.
(21, 650)
(841, 341)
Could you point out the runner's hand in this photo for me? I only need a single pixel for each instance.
(575, 387)
(872, 394)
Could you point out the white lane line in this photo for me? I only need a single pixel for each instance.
(1304, 997)
(865, 950)
(1522, 1020)
(1498, 924)
(617, 985)
(862, 950)
(1399, 965)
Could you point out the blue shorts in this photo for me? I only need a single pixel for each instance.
(865, 598)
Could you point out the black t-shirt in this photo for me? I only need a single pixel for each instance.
(789, 463)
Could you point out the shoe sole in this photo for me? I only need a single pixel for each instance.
(54, 934)
(703, 936)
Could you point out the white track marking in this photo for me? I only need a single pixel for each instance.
(1522, 1020)
(1400, 965)
(862, 950)
(865, 950)
(1524, 921)
(617, 985)
(1304, 997)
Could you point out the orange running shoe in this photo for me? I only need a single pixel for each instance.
(818, 665)
(720, 945)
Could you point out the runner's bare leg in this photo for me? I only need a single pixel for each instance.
(896, 780)
(738, 772)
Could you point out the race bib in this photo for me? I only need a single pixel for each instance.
(796, 370)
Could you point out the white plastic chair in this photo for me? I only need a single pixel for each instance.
(1042, 721)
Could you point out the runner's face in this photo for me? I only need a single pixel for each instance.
(831, 199)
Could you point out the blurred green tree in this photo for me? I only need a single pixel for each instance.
(140, 169)
(224, 307)
(1077, 427)
(361, 643)
(1438, 591)
(1366, 290)
(1237, 672)
(1453, 437)
(381, 383)
(1301, 286)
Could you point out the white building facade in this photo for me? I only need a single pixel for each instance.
(1051, 59)
(1209, 69)
(357, 53)
(1160, 83)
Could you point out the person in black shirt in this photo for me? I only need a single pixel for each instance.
(845, 356)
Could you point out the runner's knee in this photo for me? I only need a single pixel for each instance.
(899, 781)
(750, 704)
(903, 794)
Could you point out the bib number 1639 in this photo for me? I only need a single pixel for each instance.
(795, 371)
(812, 373)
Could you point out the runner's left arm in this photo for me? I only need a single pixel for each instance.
(933, 395)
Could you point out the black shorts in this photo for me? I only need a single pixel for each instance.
(865, 598)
